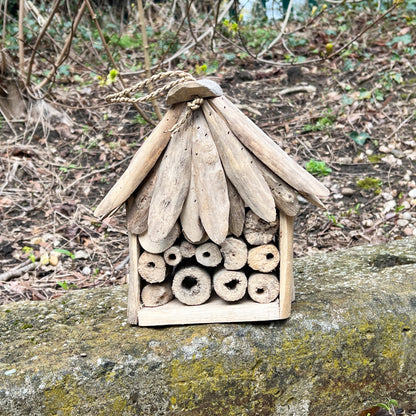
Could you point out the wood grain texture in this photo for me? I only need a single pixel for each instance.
(157, 294)
(263, 147)
(237, 211)
(152, 267)
(190, 221)
(230, 285)
(240, 167)
(257, 231)
(263, 288)
(138, 204)
(133, 294)
(187, 91)
(286, 264)
(161, 245)
(234, 252)
(141, 164)
(210, 182)
(172, 184)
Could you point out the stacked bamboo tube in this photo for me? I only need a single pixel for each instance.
(244, 265)
(204, 195)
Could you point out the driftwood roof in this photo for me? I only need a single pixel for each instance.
(216, 162)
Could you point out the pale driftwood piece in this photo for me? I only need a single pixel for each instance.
(313, 200)
(258, 232)
(263, 147)
(187, 91)
(190, 221)
(172, 256)
(215, 311)
(187, 249)
(263, 258)
(286, 265)
(240, 167)
(234, 252)
(157, 294)
(230, 285)
(204, 239)
(141, 164)
(138, 204)
(263, 288)
(210, 182)
(152, 267)
(162, 245)
(192, 285)
(208, 255)
(172, 184)
(237, 211)
(284, 196)
(133, 294)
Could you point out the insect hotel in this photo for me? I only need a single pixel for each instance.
(210, 202)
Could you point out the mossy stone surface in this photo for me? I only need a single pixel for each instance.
(349, 343)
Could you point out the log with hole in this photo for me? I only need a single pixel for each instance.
(210, 204)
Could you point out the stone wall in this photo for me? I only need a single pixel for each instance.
(349, 343)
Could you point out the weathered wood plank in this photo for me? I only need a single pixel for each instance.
(240, 167)
(133, 294)
(187, 91)
(161, 245)
(263, 147)
(210, 182)
(190, 221)
(141, 164)
(172, 184)
(237, 211)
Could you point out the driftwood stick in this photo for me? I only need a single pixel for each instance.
(284, 196)
(162, 245)
(190, 221)
(192, 285)
(237, 211)
(287, 290)
(257, 231)
(18, 271)
(263, 258)
(263, 288)
(210, 182)
(230, 285)
(157, 294)
(172, 256)
(187, 249)
(133, 294)
(172, 184)
(234, 252)
(140, 165)
(240, 167)
(262, 146)
(152, 267)
(208, 255)
(138, 204)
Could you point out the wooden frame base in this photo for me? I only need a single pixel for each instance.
(215, 310)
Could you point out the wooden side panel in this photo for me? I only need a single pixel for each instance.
(133, 295)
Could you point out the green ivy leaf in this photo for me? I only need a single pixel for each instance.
(359, 138)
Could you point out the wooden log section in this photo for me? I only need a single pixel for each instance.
(208, 255)
(139, 202)
(157, 294)
(263, 258)
(172, 184)
(192, 285)
(133, 294)
(258, 232)
(234, 252)
(187, 249)
(152, 267)
(263, 147)
(190, 221)
(240, 167)
(162, 245)
(263, 288)
(210, 182)
(141, 164)
(173, 256)
(237, 211)
(284, 196)
(230, 285)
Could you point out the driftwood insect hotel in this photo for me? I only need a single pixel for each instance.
(210, 203)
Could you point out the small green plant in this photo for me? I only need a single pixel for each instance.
(390, 406)
(109, 79)
(322, 123)
(370, 184)
(64, 285)
(63, 251)
(29, 251)
(333, 219)
(318, 168)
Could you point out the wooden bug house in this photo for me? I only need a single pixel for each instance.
(210, 202)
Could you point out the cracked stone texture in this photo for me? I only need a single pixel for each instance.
(349, 343)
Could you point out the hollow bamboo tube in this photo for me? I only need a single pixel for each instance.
(172, 256)
(157, 294)
(263, 288)
(234, 252)
(230, 285)
(152, 267)
(258, 232)
(187, 249)
(208, 255)
(263, 258)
